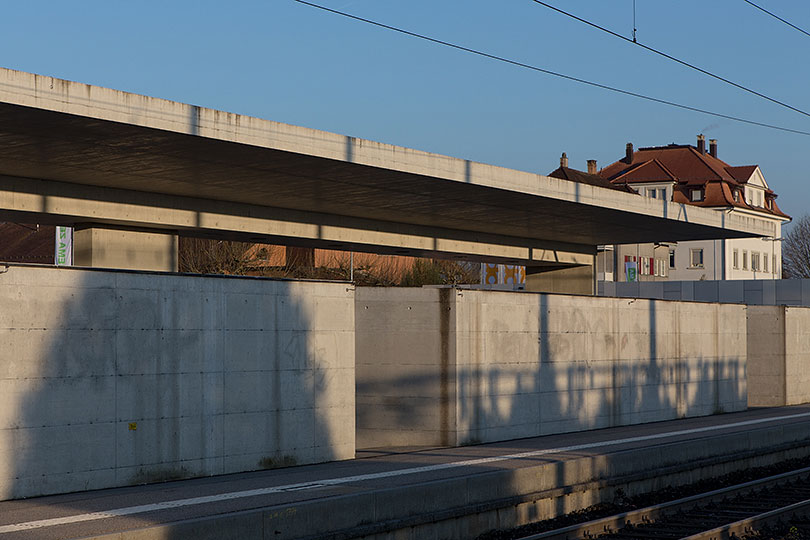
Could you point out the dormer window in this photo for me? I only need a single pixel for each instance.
(696, 195)
(736, 196)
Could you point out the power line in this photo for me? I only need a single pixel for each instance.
(549, 72)
(634, 21)
(778, 18)
(670, 57)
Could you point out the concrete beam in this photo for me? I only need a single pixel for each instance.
(118, 248)
(42, 201)
(106, 138)
(563, 280)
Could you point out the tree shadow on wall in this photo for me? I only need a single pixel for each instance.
(121, 378)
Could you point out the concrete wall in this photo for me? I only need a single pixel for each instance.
(792, 292)
(797, 355)
(514, 365)
(778, 355)
(405, 376)
(117, 378)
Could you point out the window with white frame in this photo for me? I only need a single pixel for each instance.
(696, 195)
(765, 262)
(745, 260)
(672, 258)
(696, 258)
(775, 268)
(651, 193)
(735, 259)
(755, 261)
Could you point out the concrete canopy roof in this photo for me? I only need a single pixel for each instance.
(97, 139)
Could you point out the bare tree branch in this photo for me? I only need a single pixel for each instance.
(796, 250)
(204, 256)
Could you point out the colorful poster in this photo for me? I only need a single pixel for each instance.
(631, 271)
(502, 274)
(64, 246)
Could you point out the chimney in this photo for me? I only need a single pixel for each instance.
(713, 147)
(591, 166)
(564, 160)
(628, 153)
(701, 144)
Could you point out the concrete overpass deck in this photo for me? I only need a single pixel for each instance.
(75, 154)
(433, 493)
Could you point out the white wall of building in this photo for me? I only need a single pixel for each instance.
(718, 256)
(755, 258)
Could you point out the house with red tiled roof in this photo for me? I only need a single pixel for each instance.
(695, 175)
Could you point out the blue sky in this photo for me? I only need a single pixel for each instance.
(288, 62)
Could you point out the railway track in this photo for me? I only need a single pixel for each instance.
(732, 512)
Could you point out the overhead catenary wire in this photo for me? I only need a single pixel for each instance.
(549, 72)
(634, 21)
(775, 16)
(674, 59)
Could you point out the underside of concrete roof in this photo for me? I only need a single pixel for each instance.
(72, 153)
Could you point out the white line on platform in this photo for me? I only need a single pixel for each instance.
(117, 512)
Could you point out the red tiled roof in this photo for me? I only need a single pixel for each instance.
(573, 175)
(648, 171)
(743, 173)
(683, 161)
(688, 169)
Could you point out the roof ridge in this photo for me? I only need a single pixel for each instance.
(666, 169)
(632, 167)
(705, 163)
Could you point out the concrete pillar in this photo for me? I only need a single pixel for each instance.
(566, 280)
(121, 248)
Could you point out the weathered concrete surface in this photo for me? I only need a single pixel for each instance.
(133, 250)
(791, 292)
(778, 355)
(573, 280)
(117, 378)
(124, 159)
(432, 494)
(461, 366)
(405, 366)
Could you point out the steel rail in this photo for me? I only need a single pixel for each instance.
(753, 523)
(614, 523)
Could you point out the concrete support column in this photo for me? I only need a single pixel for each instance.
(123, 248)
(566, 280)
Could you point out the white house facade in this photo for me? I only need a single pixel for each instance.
(692, 175)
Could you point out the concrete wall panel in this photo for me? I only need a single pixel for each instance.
(520, 365)
(797, 355)
(768, 292)
(115, 378)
